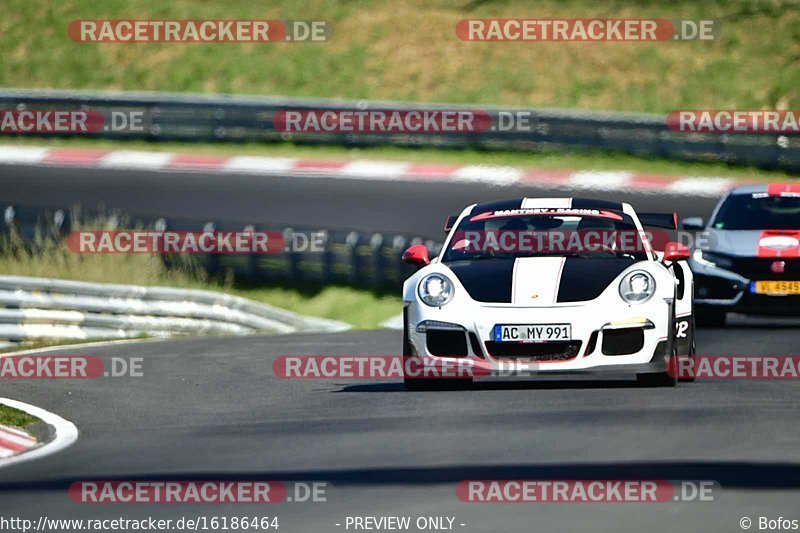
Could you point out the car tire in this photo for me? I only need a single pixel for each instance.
(410, 383)
(414, 384)
(692, 351)
(663, 379)
(711, 318)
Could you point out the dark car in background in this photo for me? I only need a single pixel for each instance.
(749, 259)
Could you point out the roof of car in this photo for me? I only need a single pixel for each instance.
(574, 203)
(772, 189)
(749, 189)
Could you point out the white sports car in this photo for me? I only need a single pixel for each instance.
(495, 303)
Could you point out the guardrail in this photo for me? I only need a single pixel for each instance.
(34, 308)
(346, 257)
(191, 117)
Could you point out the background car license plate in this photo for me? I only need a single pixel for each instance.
(532, 332)
(776, 287)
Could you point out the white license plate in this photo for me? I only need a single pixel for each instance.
(532, 332)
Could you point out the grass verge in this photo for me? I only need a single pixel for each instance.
(16, 418)
(409, 51)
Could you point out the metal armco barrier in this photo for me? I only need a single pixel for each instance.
(189, 117)
(346, 257)
(35, 308)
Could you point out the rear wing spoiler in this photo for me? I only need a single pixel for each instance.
(659, 220)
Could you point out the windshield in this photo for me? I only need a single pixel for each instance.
(545, 232)
(758, 211)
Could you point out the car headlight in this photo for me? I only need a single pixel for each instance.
(637, 287)
(697, 255)
(435, 290)
(711, 260)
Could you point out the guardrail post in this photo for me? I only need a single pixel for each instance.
(211, 260)
(327, 257)
(294, 260)
(9, 215)
(252, 257)
(355, 263)
(376, 243)
(400, 268)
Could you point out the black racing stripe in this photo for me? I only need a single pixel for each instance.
(588, 203)
(485, 280)
(500, 205)
(585, 278)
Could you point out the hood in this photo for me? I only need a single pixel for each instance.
(533, 281)
(754, 243)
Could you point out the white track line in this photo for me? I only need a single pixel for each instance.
(22, 155)
(259, 165)
(491, 174)
(135, 160)
(66, 433)
(85, 345)
(375, 169)
(600, 180)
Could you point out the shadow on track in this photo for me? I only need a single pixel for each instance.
(502, 385)
(729, 474)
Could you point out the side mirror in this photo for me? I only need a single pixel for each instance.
(676, 251)
(416, 255)
(450, 222)
(693, 223)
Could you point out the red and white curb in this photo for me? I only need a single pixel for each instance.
(14, 440)
(17, 446)
(497, 175)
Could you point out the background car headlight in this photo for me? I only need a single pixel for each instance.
(637, 287)
(712, 260)
(435, 290)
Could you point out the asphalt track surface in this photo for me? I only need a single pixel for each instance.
(211, 408)
(417, 208)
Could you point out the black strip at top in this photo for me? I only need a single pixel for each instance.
(488, 280)
(500, 205)
(588, 203)
(585, 278)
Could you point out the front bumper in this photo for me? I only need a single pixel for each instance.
(625, 339)
(717, 288)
